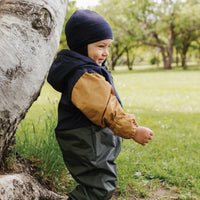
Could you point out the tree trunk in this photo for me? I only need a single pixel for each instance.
(30, 32)
(127, 58)
(171, 45)
(24, 186)
(167, 52)
(116, 55)
(112, 63)
(167, 64)
(29, 38)
(186, 45)
(183, 61)
(177, 59)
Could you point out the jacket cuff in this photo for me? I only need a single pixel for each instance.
(124, 126)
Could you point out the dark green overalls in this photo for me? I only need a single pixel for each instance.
(89, 154)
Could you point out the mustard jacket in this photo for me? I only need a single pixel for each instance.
(88, 95)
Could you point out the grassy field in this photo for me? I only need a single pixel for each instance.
(168, 102)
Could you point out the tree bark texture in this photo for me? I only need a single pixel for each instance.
(29, 38)
(24, 187)
(166, 52)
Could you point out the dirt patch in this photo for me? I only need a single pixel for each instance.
(163, 193)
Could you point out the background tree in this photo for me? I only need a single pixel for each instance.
(142, 21)
(29, 38)
(130, 56)
(122, 43)
(154, 26)
(158, 24)
(196, 48)
(182, 43)
(118, 48)
(188, 28)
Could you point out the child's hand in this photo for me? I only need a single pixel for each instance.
(143, 135)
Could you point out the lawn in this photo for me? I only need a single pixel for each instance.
(168, 102)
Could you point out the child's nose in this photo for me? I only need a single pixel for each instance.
(106, 52)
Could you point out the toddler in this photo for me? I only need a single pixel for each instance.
(91, 120)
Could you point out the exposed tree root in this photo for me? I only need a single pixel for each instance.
(24, 187)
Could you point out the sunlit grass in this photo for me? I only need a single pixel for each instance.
(168, 102)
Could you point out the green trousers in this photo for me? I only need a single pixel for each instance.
(89, 154)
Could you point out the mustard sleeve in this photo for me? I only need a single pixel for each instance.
(95, 97)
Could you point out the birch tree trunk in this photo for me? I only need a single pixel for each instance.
(29, 38)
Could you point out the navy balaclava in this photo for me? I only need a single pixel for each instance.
(85, 27)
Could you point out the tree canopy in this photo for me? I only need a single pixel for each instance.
(170, 27)
(164, 24)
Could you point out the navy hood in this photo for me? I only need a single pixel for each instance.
(85, 27)
(65, 64)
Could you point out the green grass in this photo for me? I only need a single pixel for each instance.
(168, 102)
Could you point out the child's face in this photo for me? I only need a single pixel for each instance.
(99, 51)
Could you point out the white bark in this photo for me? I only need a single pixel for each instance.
(24, 187)
(29, 38)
